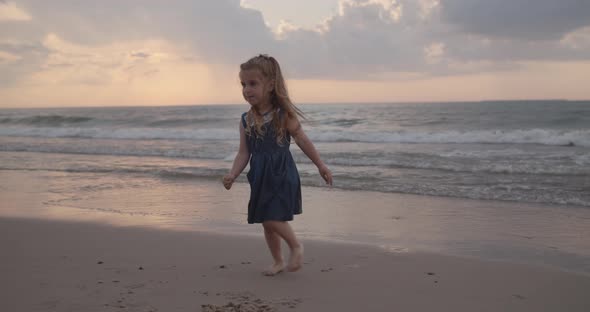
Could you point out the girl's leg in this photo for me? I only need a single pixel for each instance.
(273, 240)
(284, 230)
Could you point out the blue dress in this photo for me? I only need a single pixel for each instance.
(275, 188)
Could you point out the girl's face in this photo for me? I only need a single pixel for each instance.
(255, 88)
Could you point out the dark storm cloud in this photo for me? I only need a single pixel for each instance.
(494, 34)
(517, 19)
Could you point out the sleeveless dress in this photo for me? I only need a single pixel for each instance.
(275, 188)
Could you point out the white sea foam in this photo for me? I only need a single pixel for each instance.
(122, 133)
(532, 136)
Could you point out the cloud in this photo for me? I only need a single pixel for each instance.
(219, 30)
(388, 10)
(9, 12)
(6, 58)
(431, 37)
(19, 58)
(70, 63)
(133, 72)
(434, 52)
(140, 54)
(517, 19)
(364, 39)
(216, 32)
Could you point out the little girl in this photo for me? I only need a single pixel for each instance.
(265, 134)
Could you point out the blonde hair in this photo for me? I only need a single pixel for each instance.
(279, 98)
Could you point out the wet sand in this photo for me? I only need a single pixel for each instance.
(528, 233)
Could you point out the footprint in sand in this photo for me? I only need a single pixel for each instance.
(134, 286)
(231, 307)
(49, 304)
(517, 296)
(248, 302)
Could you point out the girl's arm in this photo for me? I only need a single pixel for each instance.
(304, 143)
(240, 161)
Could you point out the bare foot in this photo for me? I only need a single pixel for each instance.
(296, 259)
(274, 269)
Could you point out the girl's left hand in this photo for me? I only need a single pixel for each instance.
(228, 180)
(326, 174)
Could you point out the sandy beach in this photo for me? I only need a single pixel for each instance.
(65, 266)
(60, 252)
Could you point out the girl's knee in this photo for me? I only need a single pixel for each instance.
(268, 226)
(271, 225)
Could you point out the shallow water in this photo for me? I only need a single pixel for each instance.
(531, 233)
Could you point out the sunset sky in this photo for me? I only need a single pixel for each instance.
(175, 52)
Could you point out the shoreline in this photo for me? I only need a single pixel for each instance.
(396, 223)
(66, 265)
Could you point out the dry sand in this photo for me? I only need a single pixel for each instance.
(69, 266)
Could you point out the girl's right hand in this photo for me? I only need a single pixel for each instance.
(228, 180)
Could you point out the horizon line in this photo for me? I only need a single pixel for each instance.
(311, 103)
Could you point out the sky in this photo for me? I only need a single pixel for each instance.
(187, 52)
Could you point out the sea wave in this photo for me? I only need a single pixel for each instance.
(122, 133)
(525, 136)
(559, 163)
(57, 121)
(481, 189)
(117, 150)
(530, 136)
(181, 122)
(505, 167)
(45, 120)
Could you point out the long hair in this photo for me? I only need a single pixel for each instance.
(279, 98)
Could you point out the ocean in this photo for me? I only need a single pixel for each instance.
(519, 151)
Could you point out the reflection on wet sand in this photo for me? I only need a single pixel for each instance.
(488, 229)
